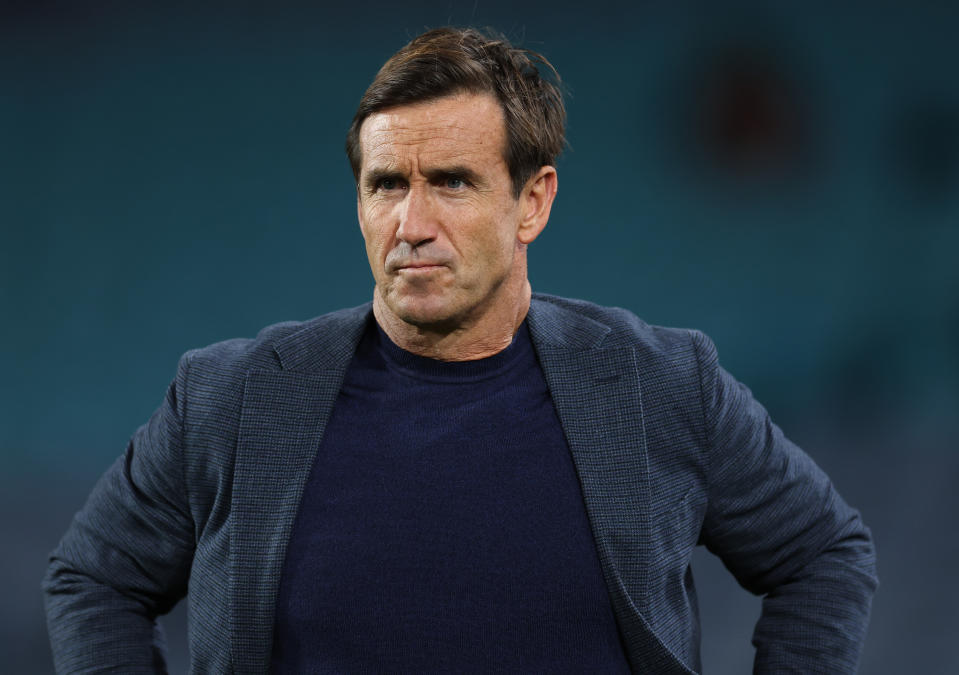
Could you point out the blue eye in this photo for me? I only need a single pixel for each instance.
(454, 183)
(388, 184)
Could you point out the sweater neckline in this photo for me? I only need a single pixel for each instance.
(424, 367)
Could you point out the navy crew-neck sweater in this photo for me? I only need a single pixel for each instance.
(442, 527)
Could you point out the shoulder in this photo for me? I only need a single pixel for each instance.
(207, 395)
(566, 320)
(278, 346)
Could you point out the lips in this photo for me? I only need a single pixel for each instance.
(418, 265)
(418, 271)
(406, 258)
(400, 264)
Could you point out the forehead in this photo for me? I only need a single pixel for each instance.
(463, 128)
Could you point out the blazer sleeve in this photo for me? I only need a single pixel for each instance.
(780, 527)
(125, 558)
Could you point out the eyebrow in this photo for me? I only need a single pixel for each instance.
(462, 172)
(375, 176)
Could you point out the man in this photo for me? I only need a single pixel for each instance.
(460, 476)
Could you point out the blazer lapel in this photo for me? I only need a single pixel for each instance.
(597, 393)
(281, 426)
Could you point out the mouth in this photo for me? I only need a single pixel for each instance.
(420, 267)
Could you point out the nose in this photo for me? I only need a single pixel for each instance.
(417, 217)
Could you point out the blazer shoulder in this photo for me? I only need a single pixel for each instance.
(623, 329)
(207, 394)
(277, 346)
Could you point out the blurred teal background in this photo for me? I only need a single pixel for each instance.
(783, 176)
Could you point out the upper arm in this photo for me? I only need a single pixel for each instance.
(126, 556)
(771, 510)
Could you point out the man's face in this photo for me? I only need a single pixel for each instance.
(437, 212)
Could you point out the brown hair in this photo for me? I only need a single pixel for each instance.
(446, 61)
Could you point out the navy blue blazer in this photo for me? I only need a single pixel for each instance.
(670, 450)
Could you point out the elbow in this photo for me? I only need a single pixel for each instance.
(855, 554)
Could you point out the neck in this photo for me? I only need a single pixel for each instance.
(489, 334)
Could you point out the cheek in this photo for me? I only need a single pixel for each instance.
(372, 227)
(491, 255)
(376, 252)
(501, 242)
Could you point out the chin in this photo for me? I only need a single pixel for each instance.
(436, 322)
(429, 315)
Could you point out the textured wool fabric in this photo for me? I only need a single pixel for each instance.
(670, 452)
(442, 528)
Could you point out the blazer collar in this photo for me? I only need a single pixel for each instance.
(553, 325)
(310, 348)
(324, 343)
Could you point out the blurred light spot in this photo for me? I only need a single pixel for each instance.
(743, 112)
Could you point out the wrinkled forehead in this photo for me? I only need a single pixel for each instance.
(460, 128)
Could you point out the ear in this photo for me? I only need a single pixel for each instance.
(537, 200)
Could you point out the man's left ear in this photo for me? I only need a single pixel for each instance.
(537, 200)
